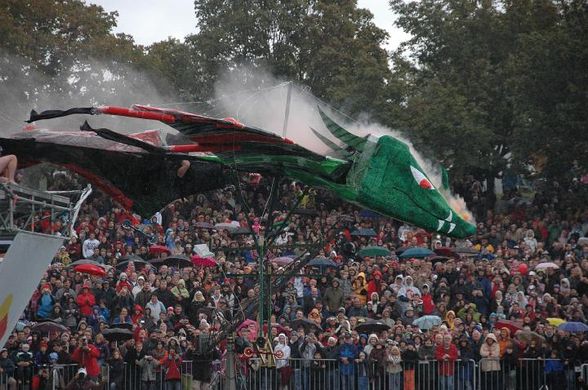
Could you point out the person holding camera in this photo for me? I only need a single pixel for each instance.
(86, 355)
(148, 366)
(83, 382)
(172, 365)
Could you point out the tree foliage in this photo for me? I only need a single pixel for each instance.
(481, 85)
(487, 85)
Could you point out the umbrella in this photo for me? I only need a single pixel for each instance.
(573, 327)
(445, 251)
(374, 251)
(248, 323)
(427, 322)
(203, 225)
(372, 326)
(202, 250)
(234, 225)
(513, 326)
(283, 260)
(90, 269)
(305, 323)
(369, 214)
(85, 262)
(466, 251)
(527, 336)
(438, 259)
(159, 249)
(364, 232)
(554, 321)
(416, 252)
(241, 231)
(138, 263)
(49, 327)
(122, 325)
(203, 261)
(117, 334)
(177, 261)
(322, 262)
(131, 257)
(546, 265)
(305, 212)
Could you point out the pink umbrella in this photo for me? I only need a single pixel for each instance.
(203, 261)
(159, 249)
(283, 260)
(253, 328)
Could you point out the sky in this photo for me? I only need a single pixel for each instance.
(151, 21)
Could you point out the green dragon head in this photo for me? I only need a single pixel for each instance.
(392, 182)
(388, 179)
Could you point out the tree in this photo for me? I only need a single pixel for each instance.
(64, 53)
(332, 47)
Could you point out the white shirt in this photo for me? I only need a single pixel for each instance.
(89, 246)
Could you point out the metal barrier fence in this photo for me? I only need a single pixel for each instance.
(323, 374)
(320, 374)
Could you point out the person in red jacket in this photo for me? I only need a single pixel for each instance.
(172, 363)
(446, 355)
(86, 300)
(375, 285)
(86, 355)
(428, 303)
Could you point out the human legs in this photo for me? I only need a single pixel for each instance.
(8, 165)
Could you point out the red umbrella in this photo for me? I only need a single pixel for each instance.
(203, 261)
(445, 251)
(90, 269)
(159, 249)
(513, 326)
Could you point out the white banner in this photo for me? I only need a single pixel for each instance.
(23, 267)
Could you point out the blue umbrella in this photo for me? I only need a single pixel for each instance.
(322, 262)
(416, 252)
(427, 322)
(574, 327)
(369, 214)
(364, 232)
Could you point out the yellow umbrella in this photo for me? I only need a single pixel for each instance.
(555, 321)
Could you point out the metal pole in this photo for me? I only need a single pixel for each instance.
(287, 113)
(231, 378)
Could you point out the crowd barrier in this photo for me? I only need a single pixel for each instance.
(325, 374)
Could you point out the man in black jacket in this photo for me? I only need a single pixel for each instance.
(201, 366)
(7, 368)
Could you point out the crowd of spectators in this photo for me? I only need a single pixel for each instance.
(175, 312)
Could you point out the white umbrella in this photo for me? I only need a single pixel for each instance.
(546, 265)
(202, 250)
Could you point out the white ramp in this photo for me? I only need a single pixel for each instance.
(23, 267)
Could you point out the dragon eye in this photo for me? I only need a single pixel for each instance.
(420, 178)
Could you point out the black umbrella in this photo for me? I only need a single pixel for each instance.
(139, 264)
(48, 327)
(322, 262)
(305, 323)
(117, 334)
(177, 261)
(122, 325)
(372, 326)
(131, 257)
